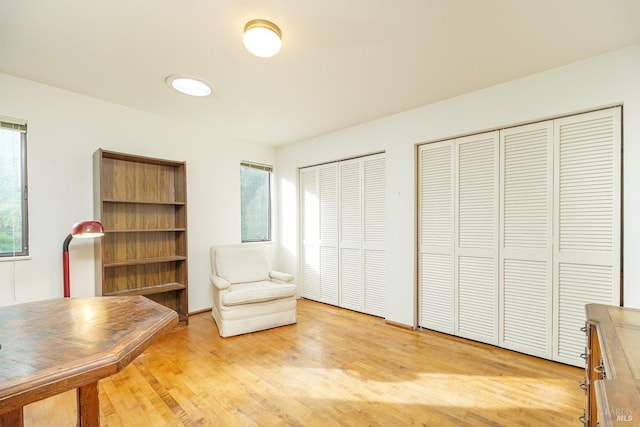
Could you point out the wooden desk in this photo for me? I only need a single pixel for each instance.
(612, 381)
(49, 347)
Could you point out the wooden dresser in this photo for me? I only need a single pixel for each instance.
(612, 381)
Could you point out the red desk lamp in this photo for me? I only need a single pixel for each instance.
(82, 229)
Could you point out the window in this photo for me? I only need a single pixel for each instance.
(13, 188)
(255, 198)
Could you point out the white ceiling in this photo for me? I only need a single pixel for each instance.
(343, 62)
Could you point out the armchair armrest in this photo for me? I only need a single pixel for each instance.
(219, 282)
(278, 275)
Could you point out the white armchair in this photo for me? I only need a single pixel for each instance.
(247, 295)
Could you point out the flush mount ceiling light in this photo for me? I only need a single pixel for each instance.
(188, 85)
(262, 38)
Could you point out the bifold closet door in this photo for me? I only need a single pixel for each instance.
(526, 237)
(588, 220)
(476, 231)
(342, 217)
(310, 233)
(374, 234)
(319, 233)
(350, 245)
(436, 296)
(458, 219)
(558, 227)
(362, 234)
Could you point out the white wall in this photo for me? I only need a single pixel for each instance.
(64, 129)
(613, 78)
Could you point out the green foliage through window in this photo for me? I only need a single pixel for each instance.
(255, 197)
(13, 184)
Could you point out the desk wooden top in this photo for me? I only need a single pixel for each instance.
(56, 345)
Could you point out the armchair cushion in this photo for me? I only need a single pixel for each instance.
(246, 293)
(243, 264)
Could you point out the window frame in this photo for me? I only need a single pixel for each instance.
(269, 170)
(18, 125)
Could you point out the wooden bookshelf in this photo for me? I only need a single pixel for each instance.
(142, 204)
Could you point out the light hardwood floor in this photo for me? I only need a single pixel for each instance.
(335, 367)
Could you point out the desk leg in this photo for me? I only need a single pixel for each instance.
(88, 406)
(12, 419)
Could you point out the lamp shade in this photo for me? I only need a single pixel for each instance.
(82, 229)
(262, 38)
(86, 229)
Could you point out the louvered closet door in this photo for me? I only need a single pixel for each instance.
(310, 233)
(342, 217)
(476, 216)
(526, 267)
(319, 224)
(436, 237)
(351, 234)
(587, 213)
(373, 245)
(328, 176)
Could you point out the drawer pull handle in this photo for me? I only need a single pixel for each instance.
(583, 419)
(584, 386)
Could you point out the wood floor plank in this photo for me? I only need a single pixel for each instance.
(334, 367)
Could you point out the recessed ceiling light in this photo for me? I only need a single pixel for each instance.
(189, 85)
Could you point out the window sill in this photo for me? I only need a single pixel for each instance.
(15, 258)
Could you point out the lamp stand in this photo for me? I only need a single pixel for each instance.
(65, 266)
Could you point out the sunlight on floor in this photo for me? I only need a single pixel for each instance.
(436, 389)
